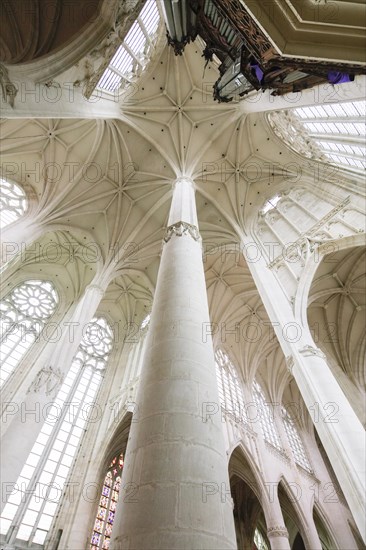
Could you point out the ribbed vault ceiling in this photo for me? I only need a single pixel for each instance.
(337, 310)
(108, 183)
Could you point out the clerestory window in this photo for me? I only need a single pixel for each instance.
(23, 314)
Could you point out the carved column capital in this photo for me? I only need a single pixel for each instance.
(182, 228)
(277, 531)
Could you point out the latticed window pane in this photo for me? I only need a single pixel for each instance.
(230, 391)
(23, 314)
(13, 202)
(134, 51)
(320, 132)
(102, 530)
(294, 439)
(43, 478)
(266, 417)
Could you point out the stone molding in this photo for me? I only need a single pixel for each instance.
(313, 237)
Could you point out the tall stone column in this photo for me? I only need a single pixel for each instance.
(21, 425)
(339, 428)
(276, 530)
(175, 462)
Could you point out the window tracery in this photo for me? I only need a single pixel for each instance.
(134, 53)
(230, 392)
(13, 202)
(31, 508)
(266, 417)
(294, 440)
(23, 315)
(332, 133)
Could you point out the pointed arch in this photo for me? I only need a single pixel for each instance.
(293, 514)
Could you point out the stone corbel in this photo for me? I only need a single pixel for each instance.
(8, 89)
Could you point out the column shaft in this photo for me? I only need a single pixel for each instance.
(175, 457)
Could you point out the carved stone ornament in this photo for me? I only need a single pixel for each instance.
(277, 531)
(47, 378)
(8, 89)
(309, 351)
(290, 363)
(314, 237)
(182, 228)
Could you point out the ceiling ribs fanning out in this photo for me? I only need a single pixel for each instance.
(337, 311)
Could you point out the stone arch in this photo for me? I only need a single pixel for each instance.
(293, 514)
(251, 506)
(324, 529)
(331, 293)
(311, 266)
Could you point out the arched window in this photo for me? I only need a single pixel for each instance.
(23, 315)
(104, 520)
(266, 417)
(294, 440)
(13, 202)
(230, 391)
(30, 511)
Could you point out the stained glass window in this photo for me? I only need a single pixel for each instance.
(134, 53)
(266, 417)
(31, 509)
(13, 202)
(23, 314)
(102, 530)
(294, 440)
(230, 391)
